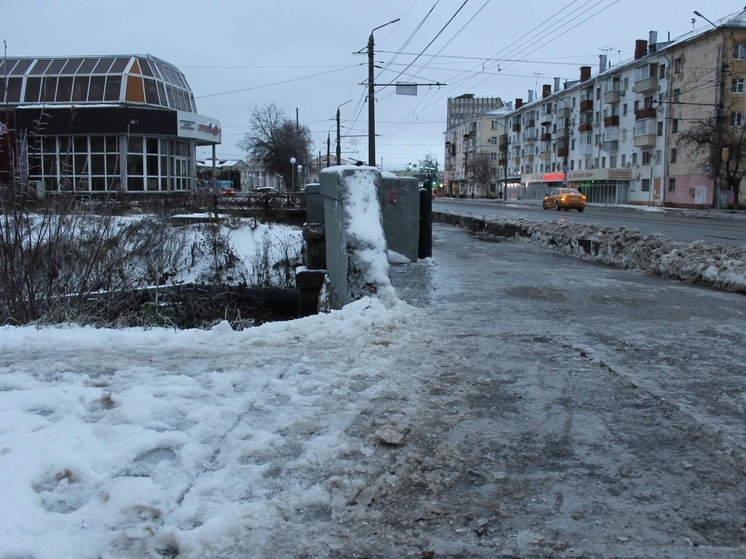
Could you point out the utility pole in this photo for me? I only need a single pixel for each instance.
(372, 98)
(719, 100)
(339, 138)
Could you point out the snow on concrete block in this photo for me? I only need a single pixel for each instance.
(357, 263)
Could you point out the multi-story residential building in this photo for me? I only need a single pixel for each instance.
(467, 134)
(616, 135)
(473, 165)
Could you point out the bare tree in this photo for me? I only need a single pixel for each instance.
(482, 169)
(273, 139)
(721, 147)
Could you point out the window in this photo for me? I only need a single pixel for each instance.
(662, 72)
(494, 125)
(736, 119)
(646, 157)
(493, 141)
(739, 52)
(603, 163)
(737, 85)
(660, 129)
(612, 161)
(677, 65)
(677, 95)
(634, 158)
(624, 109)
(626, 84)
(671, 185)
(624, 160)
(674, 125)
(645, 185)
(598, 93)
(674, 155)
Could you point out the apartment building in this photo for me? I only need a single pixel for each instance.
(618, 134)
(472, 160)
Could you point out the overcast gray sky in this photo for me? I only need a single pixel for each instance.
(238, 55)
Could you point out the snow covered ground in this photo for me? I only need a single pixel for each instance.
(160, 443)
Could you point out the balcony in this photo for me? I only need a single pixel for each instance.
(612, 120)
(585, 126)
(529, 158)
(530, 136)
(586, 105)
(546, 136)
(644, 140)
(647, 85)
(646, 112)
(531, 123)
(516, 127)
(561, 152)
(545, 155)
(563, 112)
(585, 149)
(610, 145)
(612, 97)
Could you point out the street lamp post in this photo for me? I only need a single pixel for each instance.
(300, 175)
(292, 171)
(372, 99)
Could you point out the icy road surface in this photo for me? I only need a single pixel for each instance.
(527, 405)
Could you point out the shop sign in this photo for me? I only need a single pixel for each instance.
(543, 177)
(192, 125)
(599, 175)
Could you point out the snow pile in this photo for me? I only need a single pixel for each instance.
(362, 235)
(156, 443)
(716, 266)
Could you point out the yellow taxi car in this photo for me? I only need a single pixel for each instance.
(564, 199)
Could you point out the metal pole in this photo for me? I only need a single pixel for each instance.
(339, 137)
(371, 98)
(371, 106)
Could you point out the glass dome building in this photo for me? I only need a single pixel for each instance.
(95, 124)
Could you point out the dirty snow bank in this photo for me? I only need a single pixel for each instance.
(717, 266)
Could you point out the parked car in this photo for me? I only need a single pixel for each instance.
(228, 191)
(267, 190)
(564, 199)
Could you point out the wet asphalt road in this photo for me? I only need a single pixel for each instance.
(573, 410)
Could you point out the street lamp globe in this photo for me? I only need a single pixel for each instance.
(292, 171)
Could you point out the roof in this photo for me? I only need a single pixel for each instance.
(111, 79)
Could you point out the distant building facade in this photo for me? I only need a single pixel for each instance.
(616, 134)
(94, 124)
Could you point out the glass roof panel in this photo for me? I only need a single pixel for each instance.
(71, 65)
(56, 66)
(88, 65)
(21, 67)
(40, 66)
(145, 67)
(103, 66)
(120, 65)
